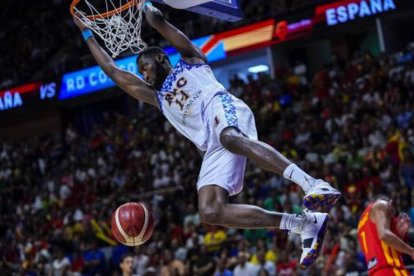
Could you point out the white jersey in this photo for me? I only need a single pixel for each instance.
(199, 107)
(184, 96)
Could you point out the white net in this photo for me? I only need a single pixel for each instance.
(121, 30)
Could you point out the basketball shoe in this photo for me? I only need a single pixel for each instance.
(312, 232)
(321, 196)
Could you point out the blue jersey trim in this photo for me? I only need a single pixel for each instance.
(199, 64)
(229, 110)
(178, 69)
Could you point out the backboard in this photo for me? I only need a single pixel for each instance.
(228, 10)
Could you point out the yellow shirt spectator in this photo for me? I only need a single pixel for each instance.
(214, 239)
(269, 256)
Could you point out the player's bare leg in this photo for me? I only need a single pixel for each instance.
(215, 209)
(319, 194)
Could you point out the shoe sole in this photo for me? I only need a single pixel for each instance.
(314, 252)
(321, 202)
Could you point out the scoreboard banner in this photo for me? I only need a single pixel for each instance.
(216, 47)
(31, 94)
(93, 79)
(344, 11)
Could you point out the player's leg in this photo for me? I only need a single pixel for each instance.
(319, 194)
(215, 209)
(235, 126)
(258, 152)
(222, 175)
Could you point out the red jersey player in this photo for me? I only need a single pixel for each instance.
(381, 231)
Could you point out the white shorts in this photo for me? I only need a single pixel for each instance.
(221, 167)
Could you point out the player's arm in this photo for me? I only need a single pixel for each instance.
(129, 82)
(381, 216)
(174, 36)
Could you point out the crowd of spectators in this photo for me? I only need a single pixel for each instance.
(40, 41)
(351, 124)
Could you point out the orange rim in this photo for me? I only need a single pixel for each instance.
(105, 14)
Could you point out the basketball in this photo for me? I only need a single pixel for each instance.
(132, 224)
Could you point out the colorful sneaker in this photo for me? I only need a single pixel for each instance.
(311, 233)
(321, 197)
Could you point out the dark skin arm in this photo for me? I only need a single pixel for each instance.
(175, 37)
(381, 216)
(127, 81)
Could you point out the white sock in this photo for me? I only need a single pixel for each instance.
(291, 222)
(295, 174)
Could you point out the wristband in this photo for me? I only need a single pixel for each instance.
(87, 33)
(147, 3)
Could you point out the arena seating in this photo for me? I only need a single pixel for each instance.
(351, 123)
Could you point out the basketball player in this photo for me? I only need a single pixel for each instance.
(381, 230)
(223, 127)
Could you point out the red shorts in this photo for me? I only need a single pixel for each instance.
(390, 272)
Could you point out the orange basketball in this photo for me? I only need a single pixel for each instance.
(132, 223)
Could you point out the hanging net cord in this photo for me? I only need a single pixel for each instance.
(120, 31)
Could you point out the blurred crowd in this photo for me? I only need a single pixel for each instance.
(351, 123)
(46, 44)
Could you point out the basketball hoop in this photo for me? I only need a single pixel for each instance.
(117, 24)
